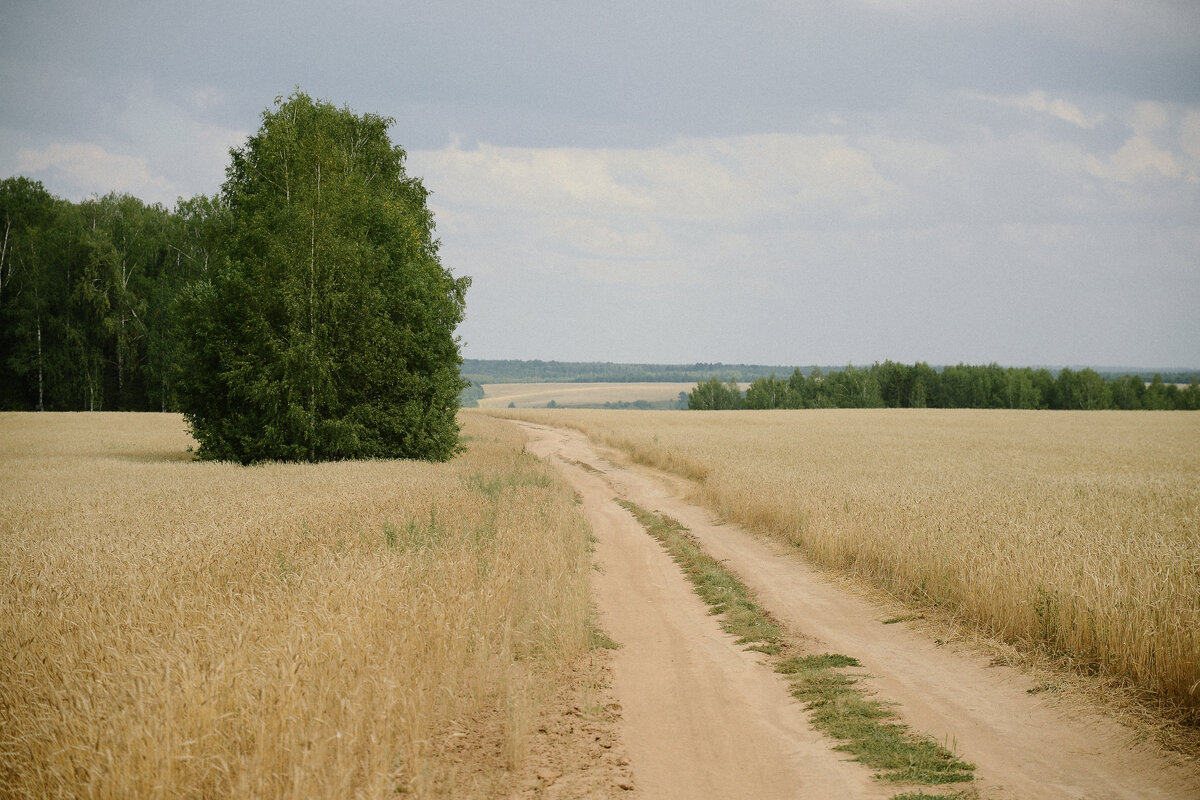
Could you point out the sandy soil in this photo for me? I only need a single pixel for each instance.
(701, 718)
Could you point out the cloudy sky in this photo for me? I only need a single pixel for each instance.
(832, 182)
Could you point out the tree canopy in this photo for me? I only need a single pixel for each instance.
(326, 329)
(892, 385)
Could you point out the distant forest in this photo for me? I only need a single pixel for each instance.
(892, 385)
(481, 371)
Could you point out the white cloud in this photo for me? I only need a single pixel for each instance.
(137, 143)
(1149, 118)
(90, 169)
(648, 218)
(694, 179)
(177, 137)
(811, 241)
(207, 98)
(1137, 159)
(1189, 137)
(1038, 101)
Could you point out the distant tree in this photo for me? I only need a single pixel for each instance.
(1127, 392)
(326, 331)
(712, 395)
(470, 396)
(1044, 386)
(1189, 399)
(771, 392)
(925, 387)
(1084, 390)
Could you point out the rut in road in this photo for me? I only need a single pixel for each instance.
(700, 718)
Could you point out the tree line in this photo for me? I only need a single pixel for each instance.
(88, 296)
(893, 385)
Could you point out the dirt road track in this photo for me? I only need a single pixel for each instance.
(702, 719)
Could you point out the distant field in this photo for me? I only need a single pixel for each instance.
(170, 628)
(535, 395)
(1076, 533)
(538, 395)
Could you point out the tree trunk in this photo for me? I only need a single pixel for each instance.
(4, 261)
(40, 405)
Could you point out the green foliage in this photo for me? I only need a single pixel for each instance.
(919, 385)
(712, 395)
(470, 396)
(866, 726)
(325, 329)
(78, 298)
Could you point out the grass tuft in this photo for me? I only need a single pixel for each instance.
(725, 594)
(599, 640)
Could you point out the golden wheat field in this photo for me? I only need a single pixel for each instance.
(1074, 532)
(171, 628)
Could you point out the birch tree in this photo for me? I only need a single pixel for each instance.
(327, 329)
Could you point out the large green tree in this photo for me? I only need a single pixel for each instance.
(326, 331)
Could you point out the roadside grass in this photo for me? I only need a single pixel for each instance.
(867, 728)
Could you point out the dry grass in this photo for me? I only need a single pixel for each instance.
(1072, 533)
(180, 629)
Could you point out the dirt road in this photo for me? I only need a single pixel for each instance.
(703, 718)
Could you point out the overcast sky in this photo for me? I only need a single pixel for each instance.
(829, 182)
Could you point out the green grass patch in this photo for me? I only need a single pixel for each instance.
(867, 728)
(599, 640)
(724, 593)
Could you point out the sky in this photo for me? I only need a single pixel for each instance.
(792, 183)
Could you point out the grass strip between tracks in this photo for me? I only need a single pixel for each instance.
(866, 727)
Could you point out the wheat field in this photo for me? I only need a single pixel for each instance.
(1074, 533)
(171, 628)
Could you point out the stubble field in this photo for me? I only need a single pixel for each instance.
(1071, 533)
(171, 628)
